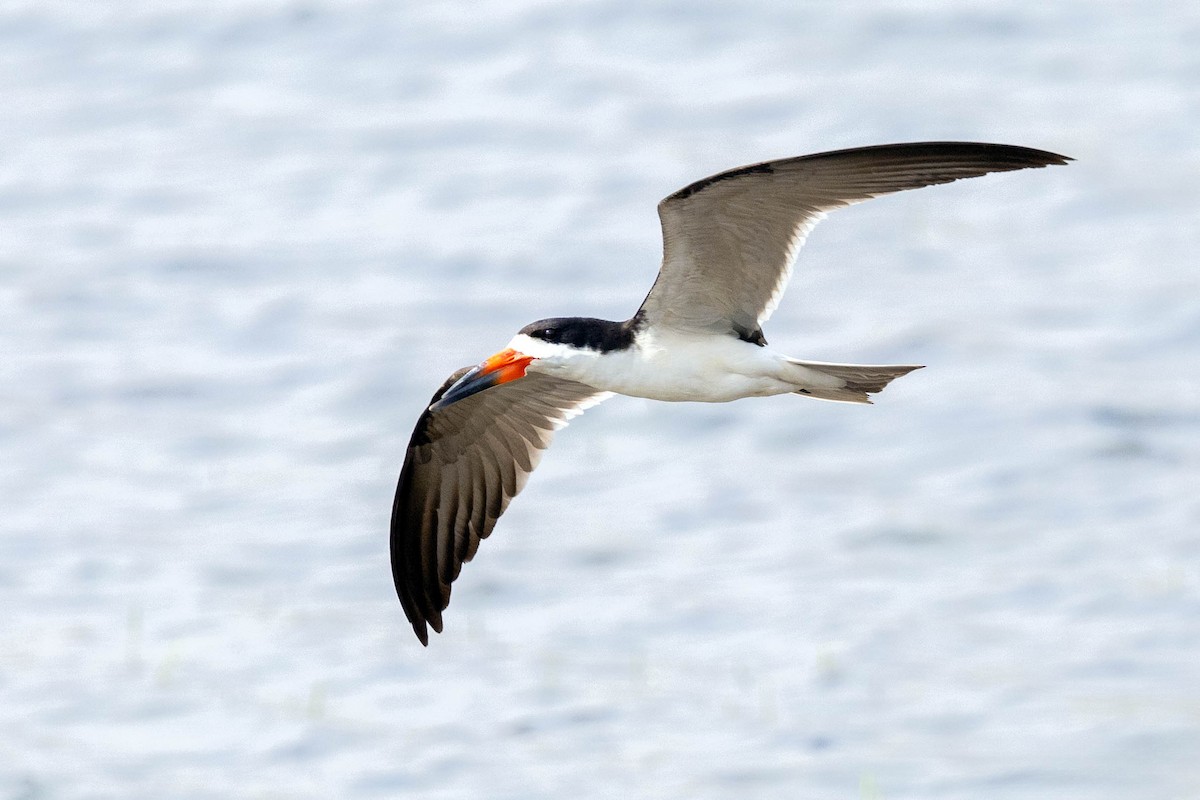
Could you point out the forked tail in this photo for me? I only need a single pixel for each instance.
(847, 383)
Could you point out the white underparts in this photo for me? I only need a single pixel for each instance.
(666, 365)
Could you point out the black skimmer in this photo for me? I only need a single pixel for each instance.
(728, 246)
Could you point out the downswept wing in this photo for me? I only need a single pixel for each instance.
(465, 462)
(729, 241)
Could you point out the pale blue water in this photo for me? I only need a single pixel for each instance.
(241, 243)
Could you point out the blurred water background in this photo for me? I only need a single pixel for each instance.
(242, 242)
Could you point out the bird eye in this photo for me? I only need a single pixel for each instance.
(547, 332)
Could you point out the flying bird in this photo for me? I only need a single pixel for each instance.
(729, 242)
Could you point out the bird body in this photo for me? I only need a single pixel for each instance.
(686, 366)
(729, 243)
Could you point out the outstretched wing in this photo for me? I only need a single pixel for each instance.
(729, 240)
(465, 462)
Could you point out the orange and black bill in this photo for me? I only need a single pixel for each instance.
(505, 366)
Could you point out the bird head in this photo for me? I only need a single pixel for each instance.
(559, 346)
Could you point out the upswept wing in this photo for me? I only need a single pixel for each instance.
(729, 240)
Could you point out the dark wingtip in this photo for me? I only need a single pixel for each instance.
(1043, 158)
(420, 609)
(1051, 159)
(1018, 156)
(1002, 157)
